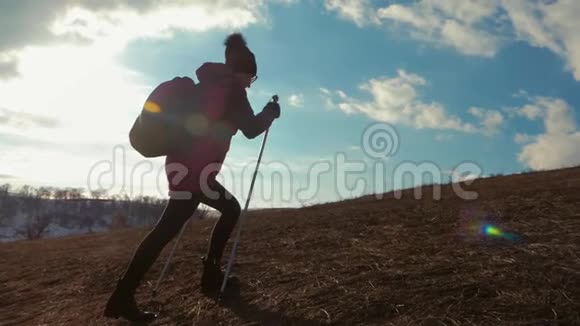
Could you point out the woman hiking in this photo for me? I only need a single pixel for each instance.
(226, 110)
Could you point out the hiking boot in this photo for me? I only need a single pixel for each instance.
(213, 276)
(122, 304)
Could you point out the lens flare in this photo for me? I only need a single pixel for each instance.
(152, 107)
(494, 232)
(475, 223)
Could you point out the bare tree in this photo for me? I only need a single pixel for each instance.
(60, 194)
(32, 205)
(76, 193)
(35, 226)
(25, 191)
(5, 189)
(98, 193)
(8, 205)
(44, 205)
(44, 192)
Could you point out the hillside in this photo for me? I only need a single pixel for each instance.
(362, 261)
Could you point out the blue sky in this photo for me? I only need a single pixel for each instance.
(490, 83)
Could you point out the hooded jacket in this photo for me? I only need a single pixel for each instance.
(225, 109)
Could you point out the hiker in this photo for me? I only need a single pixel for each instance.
(227, 109)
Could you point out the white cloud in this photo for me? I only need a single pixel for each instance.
(359, 11)
(286, 2)
(327, 98)
(468, 40)
(530, 111)
(466, 177)
(408, 15)
(523, 138)
(7, 177)
(553, 25)
(452, 23)
(467, 11)
(296, 100)
(490, 120)
(72, 80)
(86, 99)
(459, 176)
(559, 145)
(123, 24)
(552, 151)
(77, 22)
(8, 67)
(396, 100)
(68, 77)
(479, 27)
(521, 94)
(556, 114)
(25, 120)
(528, 26)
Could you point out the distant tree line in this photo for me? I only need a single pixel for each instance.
(69, 207)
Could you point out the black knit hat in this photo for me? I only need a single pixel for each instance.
(238, 56)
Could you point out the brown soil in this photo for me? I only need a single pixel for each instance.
(363, 261)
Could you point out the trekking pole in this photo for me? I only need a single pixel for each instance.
(239, 230)
(169, 258)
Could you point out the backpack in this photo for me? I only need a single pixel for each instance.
(161, 126)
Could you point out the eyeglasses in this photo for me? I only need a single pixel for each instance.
(253, 79)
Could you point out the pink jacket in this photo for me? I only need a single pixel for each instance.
(225, 109)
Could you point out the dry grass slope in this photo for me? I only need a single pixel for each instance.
(362, 261)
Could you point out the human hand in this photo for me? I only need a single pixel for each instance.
(274, 108)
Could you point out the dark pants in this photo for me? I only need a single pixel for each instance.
(176, 213)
